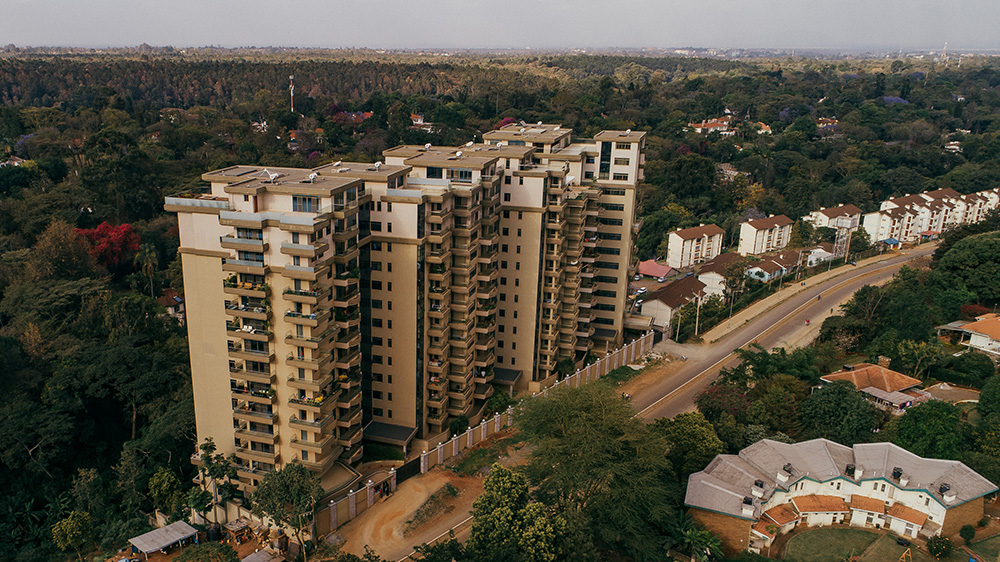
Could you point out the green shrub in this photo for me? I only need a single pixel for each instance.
(967, 532)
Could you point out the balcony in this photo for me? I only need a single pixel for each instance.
(237, 371)
(255, 312)
(351, 437)
(436, 400)
(351, 417)
(306, 362)
(257, 396)
(245, 412)
(347, 298)
(244, 266)
(313, 424)
(315, 385)
(316, 404)
(233, 287)
(310, 445)
(310, 342)
(437, 418)
(350, 398)
(436, 384)
(248, 454)
(347, 339)
(311, 319)
(346, 361)
(484, 359)
(310, 297)
(482, 391)
(248, 435)
(237, 351)
(311, 251)
(247, 332)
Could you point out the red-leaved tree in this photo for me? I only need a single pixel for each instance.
(111, 245)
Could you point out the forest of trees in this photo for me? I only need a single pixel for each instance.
(98, 417)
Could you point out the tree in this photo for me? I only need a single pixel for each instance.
(165, 490)
(919, 356)
(200, 501)
(989, 397)
(802, 234)
(508, 526)
(288, 497)
(973, 262)
(860, 241)
(61, 253)
(111, 245)
(840, 413)
(74, 532)
(932, 429)
(147, 261)
(209, 552)
(940, 547)
(599, 466)
(967, 532)
(691, 442)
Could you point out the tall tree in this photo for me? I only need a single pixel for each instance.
(597, 463)
(838, 412)
(691, 442)
(932, 429)
(288, 497)
(74, 532)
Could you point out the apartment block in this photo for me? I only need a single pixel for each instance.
(376, 302)
(764, 235)
(843, 217)
(689, 246)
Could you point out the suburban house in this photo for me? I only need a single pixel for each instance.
(776, 265)
(650, 268)
(688, 246)
(764, 235)
(819, 254)
(173, 303)
(912, 218)
(12, 161)
(662, 303)
(888, 389)
(844, 216)
(720, 125)
(713, 273)
(770, 488)
(984, 333)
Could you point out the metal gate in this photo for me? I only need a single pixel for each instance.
(408, 470)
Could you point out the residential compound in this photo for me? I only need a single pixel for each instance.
(912, 218)
(377, 302)
(764, 235)
(689, 246)
(769, 488)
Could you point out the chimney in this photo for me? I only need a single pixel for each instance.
(883, 361)
(849, 470)
(858, 473)
(758, 489)
(748, 506)
(848, 367)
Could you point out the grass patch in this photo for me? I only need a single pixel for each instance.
(435, 504)
(480, 457)
(988, 549)
(619, 376)
(828, 545)
(381, 452)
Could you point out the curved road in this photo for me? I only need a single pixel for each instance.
(675, 394)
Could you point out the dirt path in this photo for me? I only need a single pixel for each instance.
(382, 526)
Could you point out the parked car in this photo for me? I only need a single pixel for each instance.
(661, 279)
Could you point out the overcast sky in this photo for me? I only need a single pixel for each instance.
(540, 24)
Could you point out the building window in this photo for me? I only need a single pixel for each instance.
(623, 145)
(621, 161)
(304, 204)
(619, 177)
(435, 173)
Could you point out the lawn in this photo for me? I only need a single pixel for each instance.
(828, 545)
(886, 550)
(988, 549)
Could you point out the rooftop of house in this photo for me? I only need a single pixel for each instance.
(725, 483)
(545, 133)
(719, 263)
(770, 222)
(620, 136)
(841, 211)
(820, 504)
(987, 325)
(864, 375)
(652, 269)
(696, 232)
(678, 293)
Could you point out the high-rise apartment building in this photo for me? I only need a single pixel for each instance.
(384, 300)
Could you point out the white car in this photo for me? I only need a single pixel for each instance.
(641, 290)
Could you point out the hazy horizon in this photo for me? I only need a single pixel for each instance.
(513, 24)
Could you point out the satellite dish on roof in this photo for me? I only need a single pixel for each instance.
(522, 129)
(539, 123)
(378, 165)
(427, 146)
(458, 154)
(273, 176)
(628, 132)
(470, 143)
(337, 163)
(313, 176)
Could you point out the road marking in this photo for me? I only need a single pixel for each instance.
(642, 413)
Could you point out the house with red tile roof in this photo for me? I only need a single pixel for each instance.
(984, 334)
(888, 389)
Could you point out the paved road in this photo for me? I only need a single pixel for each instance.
(675, 394)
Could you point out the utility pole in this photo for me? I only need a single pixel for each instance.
(697, 313)
(291, 90)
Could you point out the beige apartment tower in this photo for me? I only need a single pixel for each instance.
(380, 301)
